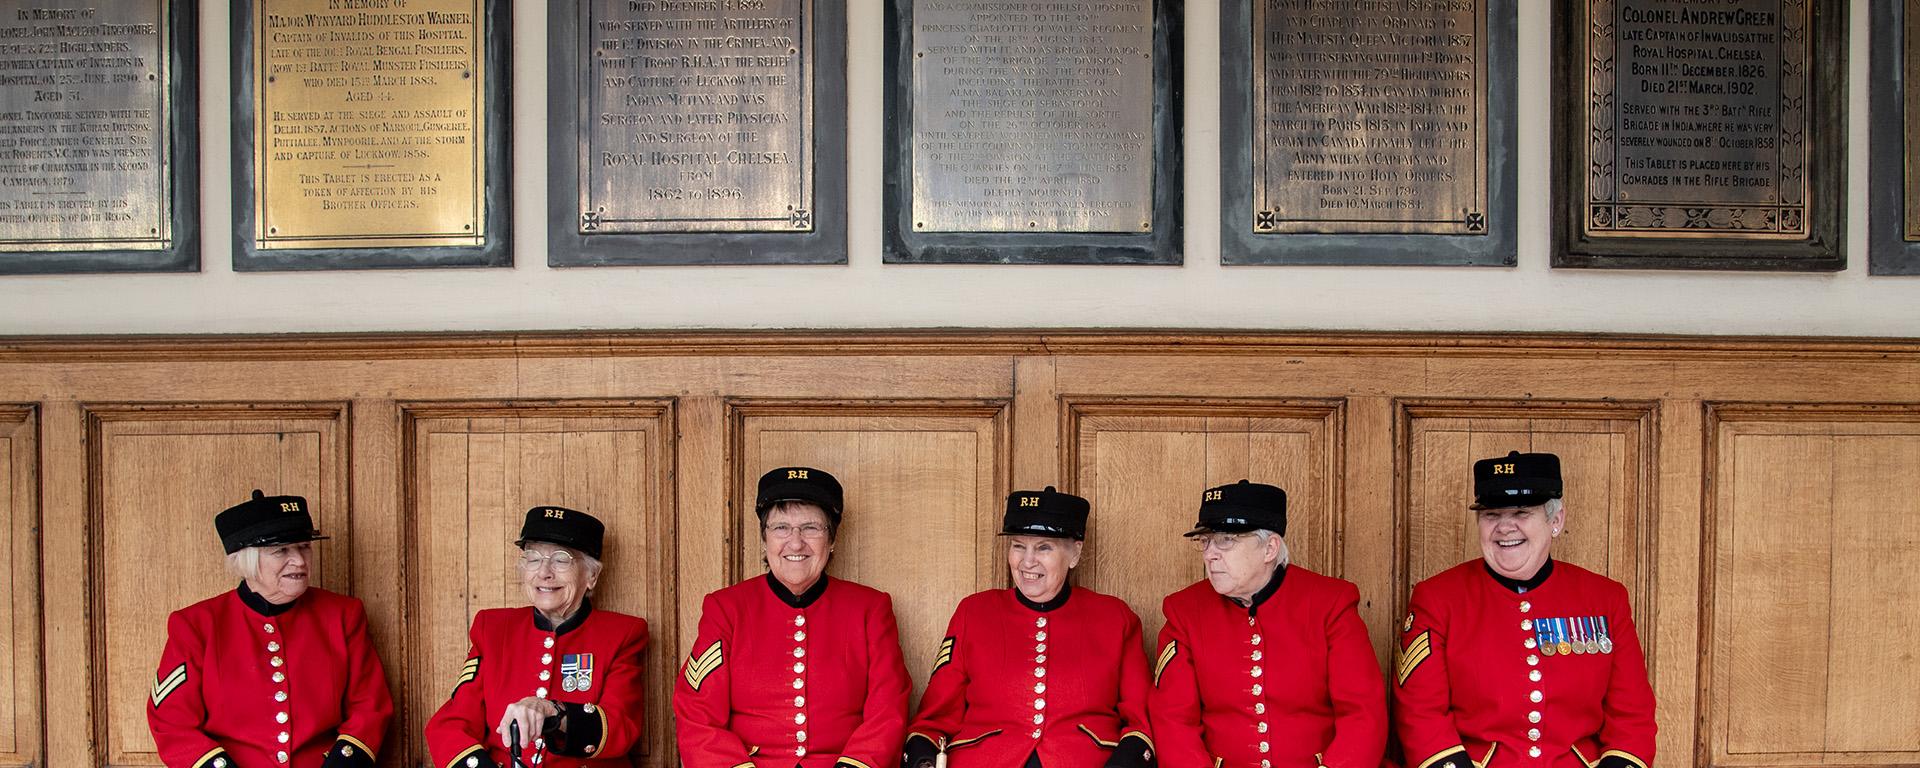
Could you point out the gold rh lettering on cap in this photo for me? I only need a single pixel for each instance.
(796, 474)
(1503, 469)
(557, 514)
(1213, 496)
(1029, 501)
(289, 506)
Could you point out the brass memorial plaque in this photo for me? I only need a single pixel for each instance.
(1370, 116)
(369, 123)
(1697, 119)
(1910, 120)
(84, 117)
(1033, 116)
(698, 118)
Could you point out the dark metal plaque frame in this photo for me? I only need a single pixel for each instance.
(826, 243)
(1162, 245)
(1890, 171)
(498, 198)
(1241, 245)
(1824, 248)
(183, 153)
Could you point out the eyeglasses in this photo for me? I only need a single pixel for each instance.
(1225, 542)
(806, 531)
(561, 560)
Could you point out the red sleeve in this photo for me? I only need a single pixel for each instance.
(459, 729)
(369, 705)
(1173, 706)
(175, 707)
(1628, 730)
(944, 702)
(876, 741)
(1422, 697)
(1354, 683)
(702, 701)
(1135, 682)
(613, 726)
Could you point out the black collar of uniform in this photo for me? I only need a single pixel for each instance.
(1273, 585)
(801, 600)
(260, 605)
(542, 623)
(1518, 586)
(1066, 590)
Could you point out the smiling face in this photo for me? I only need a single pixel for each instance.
(1039, 565)
(282, 575)
(555, 577)
(1516, 541)
(798, 542)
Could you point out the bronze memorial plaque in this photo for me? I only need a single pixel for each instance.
(369, 124)
(1910, 120)
(84, 116)
(1697, 119)
(1033, 116)
(698, 117)
(1369, 116)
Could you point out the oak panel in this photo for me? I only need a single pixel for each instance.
(21, 657)
(925, 483)
(1813, 540)
(1606, 464)
(159, 475)
(474, 470)
(1143, 464)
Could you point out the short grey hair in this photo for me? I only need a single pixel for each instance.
(1264, 534)
(1554, 508)
(245, 563)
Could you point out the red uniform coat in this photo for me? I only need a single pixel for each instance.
(1291, 681)
(1068, 679)
(777, 680)
(247, 683)
(591, 666)
(1472, 677)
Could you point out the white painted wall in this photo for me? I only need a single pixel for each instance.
(866, 293)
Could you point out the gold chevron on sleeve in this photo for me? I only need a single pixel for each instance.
(945, 655)
(165, 686)
(1166, 657)
(703, 664)
(1412, 656)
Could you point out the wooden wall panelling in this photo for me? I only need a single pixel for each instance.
(21, 655)
(925, 483)
(1672, 623)
(472, 472)
(1143, 463)
(158, 473)
(1812, 543)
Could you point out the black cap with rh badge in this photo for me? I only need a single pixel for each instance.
(814, 486)
(565, 527)
(1241, 507)
(1516, 480)
(265, 521)
(1047, 513)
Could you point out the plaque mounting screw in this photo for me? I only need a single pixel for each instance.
(1033, 224)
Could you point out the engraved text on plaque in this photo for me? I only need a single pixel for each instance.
(697, 118)
(1033, 116)
(369, 124)
(1369, 116)
(1697, 119)
(84, 119)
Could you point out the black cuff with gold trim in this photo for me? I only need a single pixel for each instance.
(1454, 757)
(218, 758)
(919, 750)
(1132, 752)
(348, 752)
(586, 727)
(1615, 761)
(475, 756)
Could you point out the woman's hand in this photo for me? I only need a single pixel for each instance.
(531, 713)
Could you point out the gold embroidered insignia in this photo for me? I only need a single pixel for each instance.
(1166, 656)
(703, 664)
(165, 686)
